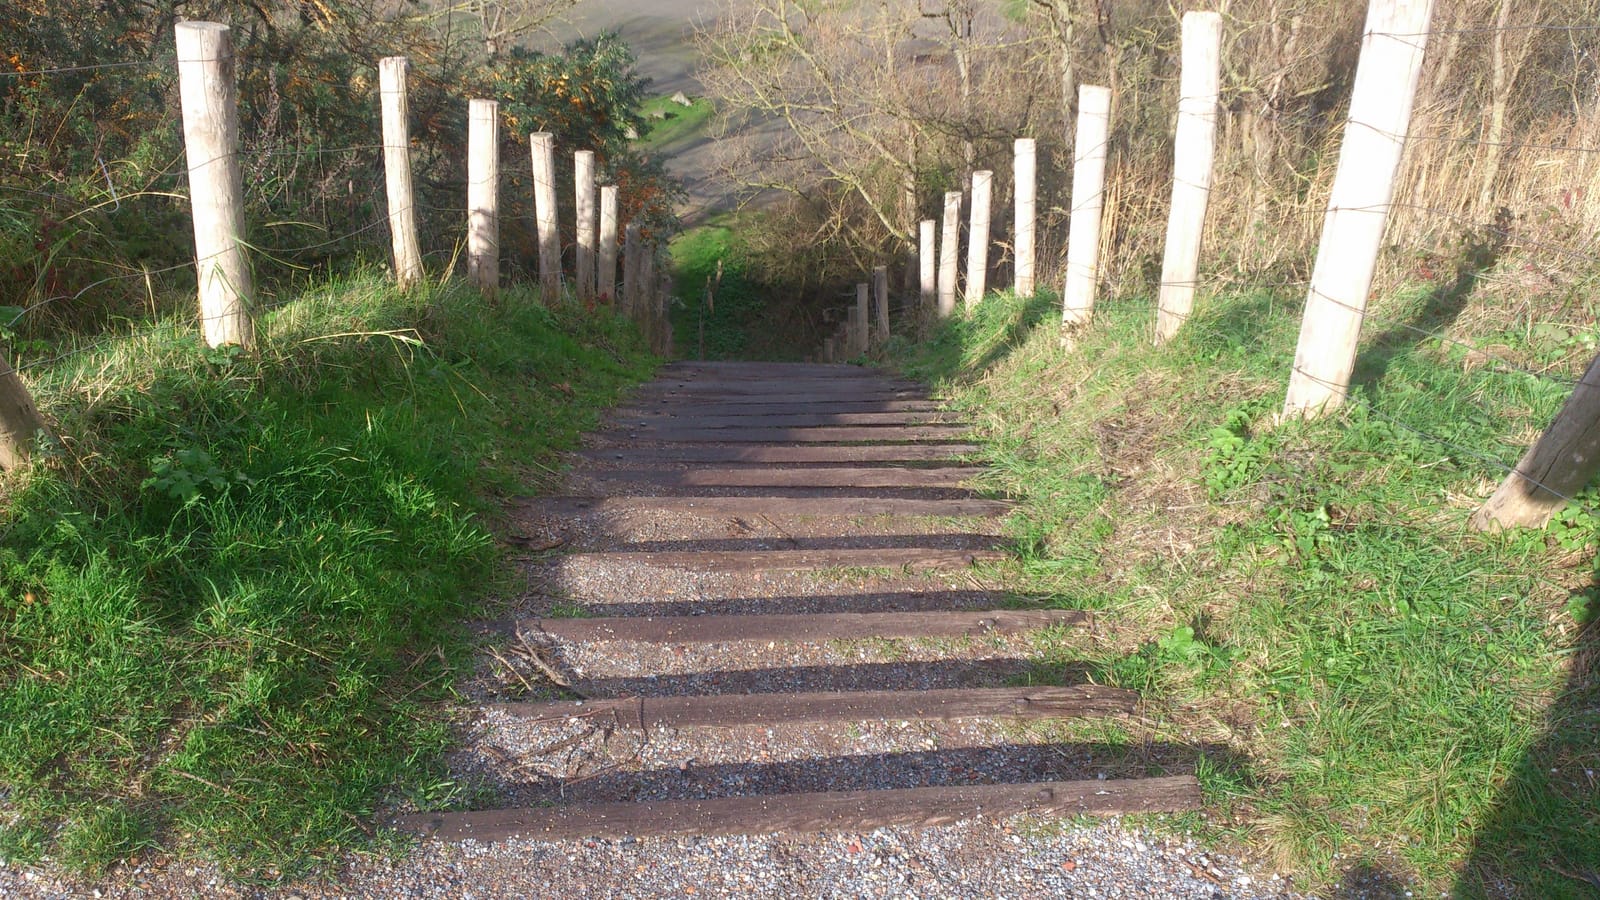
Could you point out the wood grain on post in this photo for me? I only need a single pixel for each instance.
(392, 98)
(483, 195)
(644, 296)
(1088, 196)
(949, 246)
(978, 238)
(630, 269)
(1025, 172)
(928, 262)
(20, 422)
(216, 188)
(1559, 465)
(1194, 150)
(607, 282)
(859, 320)
(583, 203)
(1358, 208)
(880, 299)
(543, 147)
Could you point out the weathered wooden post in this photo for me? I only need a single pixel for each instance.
(978, 238)
(1358, 208)
(584, 187)
(859, 325)
(644, 295)
(880, 296)
(543, 147)
(20, 422)
(483, 196)
(630, 267)
(949, 240)
(1194, 150)
(1088, 196)
(210, 103)
(929, 264)
(392, 99)
(1559, 465)
(608, 244)
(1025, 173)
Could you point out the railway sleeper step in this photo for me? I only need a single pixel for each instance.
(731, 710)
(813, 812)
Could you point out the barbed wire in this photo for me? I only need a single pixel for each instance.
(11, 73)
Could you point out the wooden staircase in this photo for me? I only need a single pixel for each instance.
(830, 446)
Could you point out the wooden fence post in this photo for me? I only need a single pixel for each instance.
(1358, 207)
(880, 292)
(397, 170)
(483, 196)
(1194, 149)
(608, 244)
(644, 296)
(978, 238)
(583, 203)
(929, 263)
(949, 240)
(859, 314)
(1025, 170)
(1088, 196)
(630, 269)
(216, 188)
(543, 147)
(1560, 464)
(20, 422)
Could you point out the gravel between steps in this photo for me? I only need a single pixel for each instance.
(976, 859)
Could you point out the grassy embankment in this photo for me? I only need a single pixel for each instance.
(229, 602)
(1392, 695)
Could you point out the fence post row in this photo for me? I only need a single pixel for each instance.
(216, 188)
(978, 238)
(1024, 168)
(583, 204)
(1358, 208)
(607, 285)
(1088, 196)
(949, 238)
(542, 146)
(483, 196)
(392, 99)
(1194, 150)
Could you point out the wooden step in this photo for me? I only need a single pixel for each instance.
(687, 417)
(779, 507)
(768, 476)
(758, 407)
(805, 627)
(731, 710)
(824, 435)
(813, 812)
(784, 453)
(918, 558)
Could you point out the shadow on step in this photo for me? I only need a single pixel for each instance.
(1006, 763)
(919, 601)
(958, 541)
(893, 676)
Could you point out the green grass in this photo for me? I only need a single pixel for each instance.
(1389, 691)
(735, 324)
(230, 598)
(673, 125)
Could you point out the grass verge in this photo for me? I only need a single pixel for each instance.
(229, 601)
(1396, 700)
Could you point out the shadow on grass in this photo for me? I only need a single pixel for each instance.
(1542, 839)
